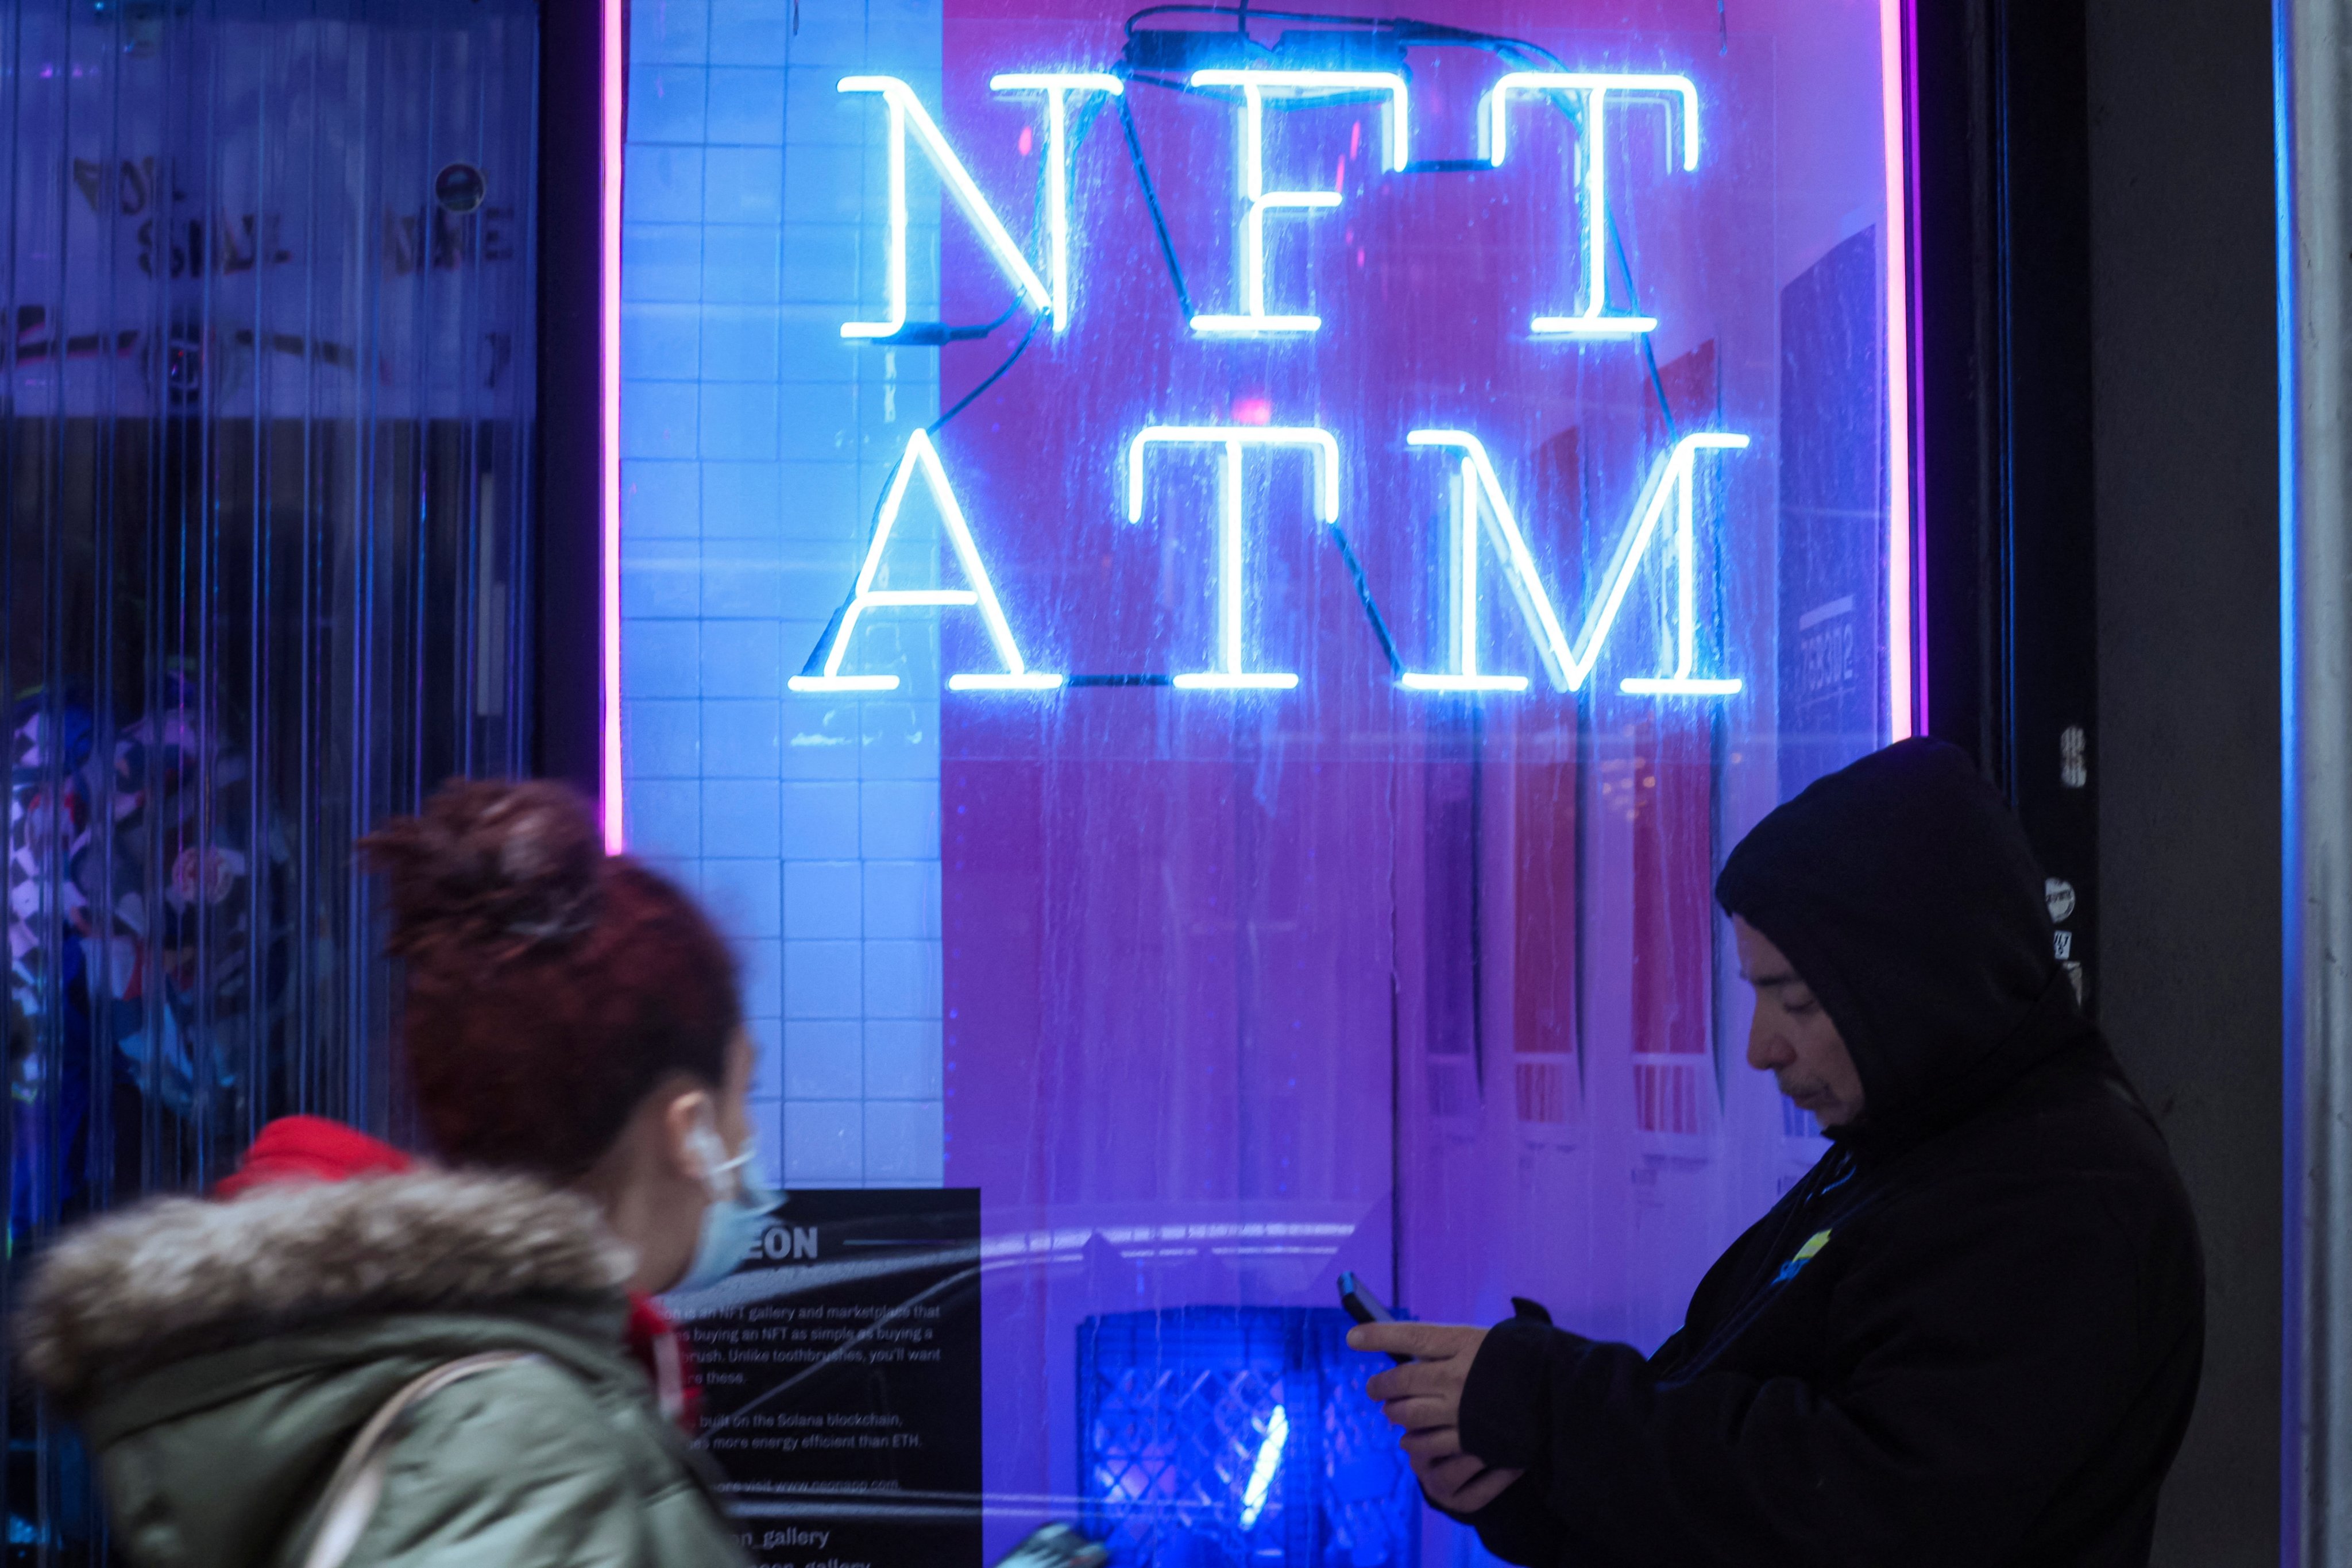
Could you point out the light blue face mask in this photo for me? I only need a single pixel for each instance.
(740, 1202)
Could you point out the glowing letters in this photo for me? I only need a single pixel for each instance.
(906, 111)
(1594, 320)
(1674, 471)
(1057, 85)
(1673, 477)
(922, 457)
(1480, 494)
(1231, 565)
(1257, 201)
(1481, 509)
(1569, 665)
(1050, 294)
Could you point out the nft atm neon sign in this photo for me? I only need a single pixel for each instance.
(1484, 523)
(1597, 93)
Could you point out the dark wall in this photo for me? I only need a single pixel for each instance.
(2185, 455)
(569, 541)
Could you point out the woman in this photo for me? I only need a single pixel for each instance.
(574, 1034)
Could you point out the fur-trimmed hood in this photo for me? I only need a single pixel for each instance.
(179, 1277)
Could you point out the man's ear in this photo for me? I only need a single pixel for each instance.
(680, 1117)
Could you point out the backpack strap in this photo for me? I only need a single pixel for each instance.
(357, 1485)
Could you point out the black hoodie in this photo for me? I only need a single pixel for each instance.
(1972, 1334)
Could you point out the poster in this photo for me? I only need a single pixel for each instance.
(840, 1370)
(267, 215)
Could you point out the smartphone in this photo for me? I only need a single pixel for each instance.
(1366, 1308)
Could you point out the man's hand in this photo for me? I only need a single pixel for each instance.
(1424, 1397)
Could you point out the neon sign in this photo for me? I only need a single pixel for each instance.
(907, 112)
(1480, 498)
(1673, 482)
(1057, 87)
(1487, 536)
(1480, 494)
(1594, 320)
(922, 458)
(1592, 152)
(1257, 201)
(1231, 567)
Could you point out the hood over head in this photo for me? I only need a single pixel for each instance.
(310, 1149)
(177, 1278)
(1902, 890)
(218, 1356)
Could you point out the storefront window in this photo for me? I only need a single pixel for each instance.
(266, 406)
(1206, 595)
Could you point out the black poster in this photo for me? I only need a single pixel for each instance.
(1833, 495)
(840, 1370)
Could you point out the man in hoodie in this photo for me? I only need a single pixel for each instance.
(1971, 1335)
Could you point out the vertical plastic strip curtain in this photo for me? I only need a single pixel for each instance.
(265, 399)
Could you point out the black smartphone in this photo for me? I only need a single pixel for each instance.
(1366, 1308)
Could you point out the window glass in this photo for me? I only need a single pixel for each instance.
(265, 453)
(1206, 597)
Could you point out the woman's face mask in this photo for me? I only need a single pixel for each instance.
(740, 1202)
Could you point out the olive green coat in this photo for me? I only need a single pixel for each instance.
(221, 1357)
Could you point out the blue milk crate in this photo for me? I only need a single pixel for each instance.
(1238, 1437)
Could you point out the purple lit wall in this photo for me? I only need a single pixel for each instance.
(1241, 991)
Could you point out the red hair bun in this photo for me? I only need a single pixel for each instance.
(549, 987)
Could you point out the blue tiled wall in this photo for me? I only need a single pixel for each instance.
(755, 443)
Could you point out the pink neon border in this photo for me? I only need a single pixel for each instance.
(1895, 99)
(609, 377)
